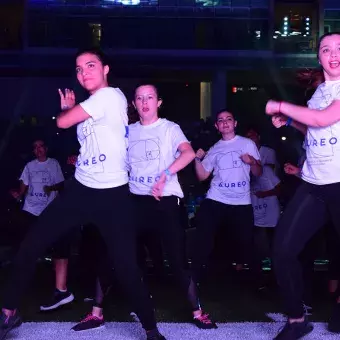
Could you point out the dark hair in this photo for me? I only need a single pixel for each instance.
(39, 140)
(95, 51)
(225, 110)
(252, 128)
(147, 84)
(323, 37)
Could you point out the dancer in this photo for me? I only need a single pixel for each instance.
(158, 149)
(97, 194)
(265, 191)
(318, 195)
(231, 160)
(40, 182)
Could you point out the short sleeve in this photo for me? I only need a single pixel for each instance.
(96, 104)
(25, 176)
(177, 137)
(252, 150)
(274, 180)
(59, 177)
(208, 161)
(269, 157)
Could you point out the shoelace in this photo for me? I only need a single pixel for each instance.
(7, 319)
(204, 318)
(90, 317)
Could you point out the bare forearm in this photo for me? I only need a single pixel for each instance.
(185, 158)
(22, 189)
(310, 117)
(256, 169)
(57, 187)
(273, 192)
(201, 173)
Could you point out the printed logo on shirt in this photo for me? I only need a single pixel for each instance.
(233, 184)
(91, 161)
(38, 194)
(321, 147)
(85, 129)
(229, 160)
(228, 167)
(37, 181)
(144, 179)
(144, 157)
(259, 204)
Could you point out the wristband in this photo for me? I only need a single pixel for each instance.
(167, 172)
(64, 108)
(289, 121)
(198, 159)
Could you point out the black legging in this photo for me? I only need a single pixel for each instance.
(163, 218)
(305, 214)
(112, 211)
(210, 216)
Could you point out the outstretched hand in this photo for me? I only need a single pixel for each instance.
(67, 99)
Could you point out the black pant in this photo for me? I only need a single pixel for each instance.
(263, 239)
(333, 250)
(163, 217)
(112, 211)
(61, 249)
(306, 213)
(209, 217)
(94, 261)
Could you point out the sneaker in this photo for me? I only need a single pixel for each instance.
(7, 323)
(308, 309)
(154, 335)
(295, 330)
(334, 321)
(59, 299)
(134, 317)
(90, 322)
(204, 322)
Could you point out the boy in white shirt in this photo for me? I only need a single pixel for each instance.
(231, 161)
(40, 182)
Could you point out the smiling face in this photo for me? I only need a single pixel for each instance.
(91, 73)
(226, 123)
(40, 150)
(147, 103)
(329, 56)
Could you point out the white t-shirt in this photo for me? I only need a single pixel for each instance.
(152, 149)
(36, 175)
(231, 177)
(102, 162)
(268, 155)
(322, 165)
(266, 210)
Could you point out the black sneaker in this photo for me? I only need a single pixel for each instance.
(154, 335)
(334, 321)
(295, 330)
(90, 322)
(204, 321)
(7, 323)
(59, 299)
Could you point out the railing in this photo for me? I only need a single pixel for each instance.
(160, 3)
